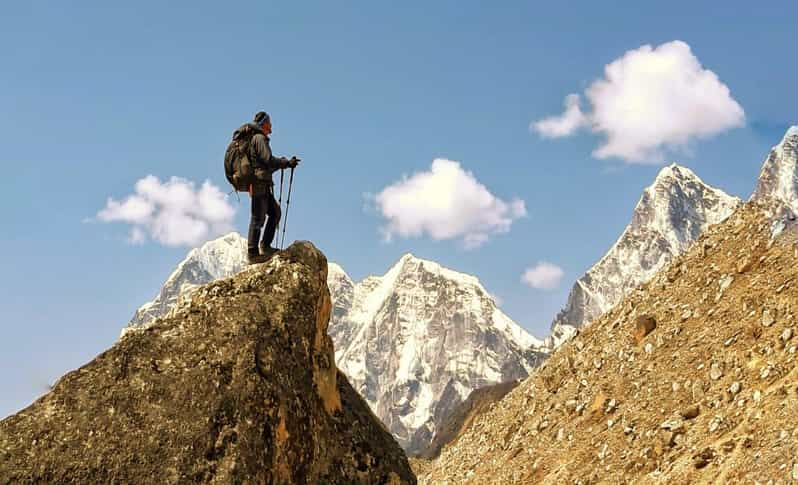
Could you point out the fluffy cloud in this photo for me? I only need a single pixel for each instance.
(445, 202)
(173, 213)
(558, 126)
(650, 100)
(543, 276)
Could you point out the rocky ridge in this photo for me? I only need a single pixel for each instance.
(690, 379)
(670, 215)
(236, 385)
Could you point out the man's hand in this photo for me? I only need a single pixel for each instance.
(293, 162)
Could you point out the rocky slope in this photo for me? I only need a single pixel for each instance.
(416, 341)
(236, 385)
(671, 214)
(691, 379)
(460, 419)
(778, 178)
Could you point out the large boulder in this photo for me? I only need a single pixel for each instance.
(237, 385)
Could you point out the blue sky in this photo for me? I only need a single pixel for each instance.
(95, 97)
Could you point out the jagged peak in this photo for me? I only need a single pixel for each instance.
(335, 269)
(230, 239)
(215, 255)
(659, 192)
(777, 177)
(790, 137)
(677, 173)
(411, 263)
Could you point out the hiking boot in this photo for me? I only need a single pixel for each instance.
(254, 258)
(267, 250)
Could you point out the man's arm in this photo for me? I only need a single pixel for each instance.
(263, 154)
(261, 151)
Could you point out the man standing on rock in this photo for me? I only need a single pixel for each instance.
(259, 249)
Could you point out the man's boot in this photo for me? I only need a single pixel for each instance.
(267, 251)
(256, 258)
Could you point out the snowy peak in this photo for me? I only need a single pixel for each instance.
(336, 273)
(219, 255)
(679, 205)
(675, 173)
(411, 272)
(671, 213)
(418, 339)
(778, 178)
(411, 265)
(219, 258)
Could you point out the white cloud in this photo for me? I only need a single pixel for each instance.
(173, 213)
(650, 100)
(543, 276)
(445, 202)
(567, 123)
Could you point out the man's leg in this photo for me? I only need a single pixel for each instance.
(256, 220)
(274, 213)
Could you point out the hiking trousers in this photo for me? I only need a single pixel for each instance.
(264, 209)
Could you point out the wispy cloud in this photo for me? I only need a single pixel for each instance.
(445, 202)
(565, 124)
(650, 100)
(173, 213)
(543, 276)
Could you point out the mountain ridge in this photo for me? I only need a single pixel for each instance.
(670, 214)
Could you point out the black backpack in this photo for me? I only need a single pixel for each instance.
(237, 166)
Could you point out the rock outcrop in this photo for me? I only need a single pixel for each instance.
(236, 385)
(706, 393)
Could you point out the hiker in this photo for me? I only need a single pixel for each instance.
(252, 171)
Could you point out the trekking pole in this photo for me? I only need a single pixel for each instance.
(280, 200)
(287, 204)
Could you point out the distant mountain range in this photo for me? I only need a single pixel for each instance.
(416, 341)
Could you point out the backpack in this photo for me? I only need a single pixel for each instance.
(238, 167)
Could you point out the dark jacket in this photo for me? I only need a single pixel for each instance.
(264, 163)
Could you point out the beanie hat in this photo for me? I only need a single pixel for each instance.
(261, 117)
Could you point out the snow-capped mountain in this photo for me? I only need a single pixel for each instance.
(670, 215)
(215, 259)
(778, 178)
(416, 341)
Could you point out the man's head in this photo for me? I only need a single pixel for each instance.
(263, 120)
